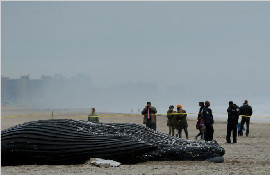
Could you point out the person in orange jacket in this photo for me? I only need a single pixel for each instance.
(181, 119)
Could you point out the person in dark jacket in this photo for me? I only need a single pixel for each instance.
(200, 123)
(207, 117)
(170, 120)
(246, 111)
(149, 116)
(181, 119)
(233, 116)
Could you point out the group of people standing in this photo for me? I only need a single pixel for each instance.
(233, 115)
(205, 122)
(177, 120)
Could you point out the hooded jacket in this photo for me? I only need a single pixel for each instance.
(233, 115)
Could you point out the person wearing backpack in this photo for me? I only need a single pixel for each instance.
(200, 124)
(233, 116)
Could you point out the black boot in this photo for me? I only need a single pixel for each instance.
(228, 141)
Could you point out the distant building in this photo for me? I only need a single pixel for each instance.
(12, 89)
(9, 90)
(47, 90)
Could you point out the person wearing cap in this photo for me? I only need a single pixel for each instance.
(208, 120)
(233, 116)
(170, 120)
(181, 118)
(92, 117)
(200, 124)
(246, 111)
(149, 116)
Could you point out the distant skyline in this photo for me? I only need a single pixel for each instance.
(197, 49)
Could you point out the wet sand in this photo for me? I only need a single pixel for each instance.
(251, 155)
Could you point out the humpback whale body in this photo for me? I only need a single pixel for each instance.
(64, 141)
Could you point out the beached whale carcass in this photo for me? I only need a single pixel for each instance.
(66, 141)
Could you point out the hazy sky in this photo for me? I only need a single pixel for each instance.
(211, 46)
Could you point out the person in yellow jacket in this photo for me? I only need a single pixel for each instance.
(92, 117)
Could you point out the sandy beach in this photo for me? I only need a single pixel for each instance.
(251, 155)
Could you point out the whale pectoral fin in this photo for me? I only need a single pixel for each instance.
(216, 159)
(104, 163)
